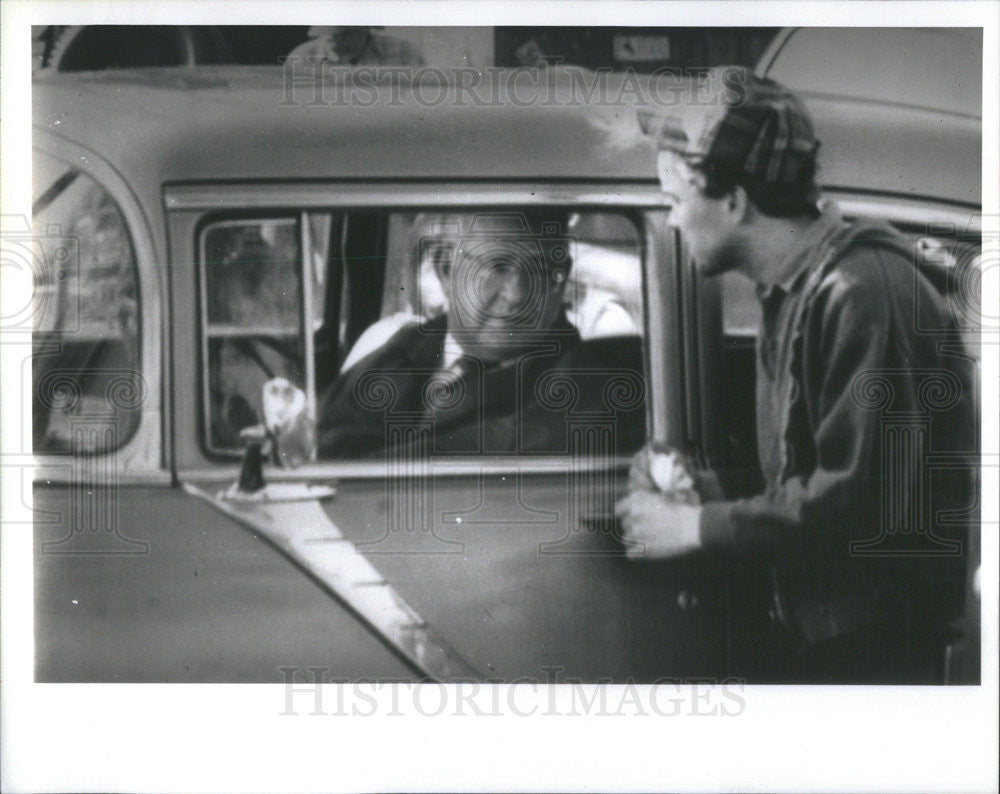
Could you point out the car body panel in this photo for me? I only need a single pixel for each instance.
(937, 69)
(132, 118)
(515, 588)
(913, 158)
(454, 139)
(201, 601)
(518, 581)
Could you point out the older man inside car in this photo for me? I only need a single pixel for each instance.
(502, 372)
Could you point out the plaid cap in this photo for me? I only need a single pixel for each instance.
(740, 123)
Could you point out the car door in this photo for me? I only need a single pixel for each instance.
(135, 580)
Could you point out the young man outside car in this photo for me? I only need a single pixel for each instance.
(863, 576)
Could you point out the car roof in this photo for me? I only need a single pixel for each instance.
(896, 110)
(936, 69)
(206, 123)
(237, 123)
(873, 148)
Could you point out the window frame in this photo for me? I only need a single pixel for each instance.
(208, 223)
(147, 450)
(189, 204)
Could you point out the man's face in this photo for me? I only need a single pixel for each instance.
(500, 294)
(706, 224)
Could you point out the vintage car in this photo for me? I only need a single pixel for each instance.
(212, 232)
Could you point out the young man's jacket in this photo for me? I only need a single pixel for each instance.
(867, 435)
(559, 396)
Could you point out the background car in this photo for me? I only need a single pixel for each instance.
(212, 228)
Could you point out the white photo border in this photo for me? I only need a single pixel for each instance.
(119, 737)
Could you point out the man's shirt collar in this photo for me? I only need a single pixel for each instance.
(451, 352)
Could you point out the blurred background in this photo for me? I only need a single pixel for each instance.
(92, 47)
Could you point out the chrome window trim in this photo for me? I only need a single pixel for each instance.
(663, 333)
(898, 209)
(306, 306)
(393, 193)
(444, 466)
(146, 453)
(50, 470)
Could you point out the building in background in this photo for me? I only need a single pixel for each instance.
(96, 47)
(641, 49)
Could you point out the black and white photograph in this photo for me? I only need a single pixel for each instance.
(523, 365)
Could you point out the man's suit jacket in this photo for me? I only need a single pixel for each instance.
(560, 396)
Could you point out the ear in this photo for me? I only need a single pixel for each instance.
(442, 268)
(739, 206)
(557, 282)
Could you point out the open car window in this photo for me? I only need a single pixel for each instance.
(360, 310)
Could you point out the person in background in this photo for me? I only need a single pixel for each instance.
(863, 576)
(350, 45)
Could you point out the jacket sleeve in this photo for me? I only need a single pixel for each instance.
(351, 417)
(846, 340)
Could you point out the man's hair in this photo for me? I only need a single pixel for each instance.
(795, 200)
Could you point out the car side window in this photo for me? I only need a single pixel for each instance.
(475, 289)
(252, 272)
(86, 367)
(380, 290)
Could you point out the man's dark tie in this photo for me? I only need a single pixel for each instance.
(451, 387)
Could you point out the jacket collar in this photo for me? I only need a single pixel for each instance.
(807, 252)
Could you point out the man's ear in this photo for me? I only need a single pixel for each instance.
(442, 269)
(739, 205)
(557, 281)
